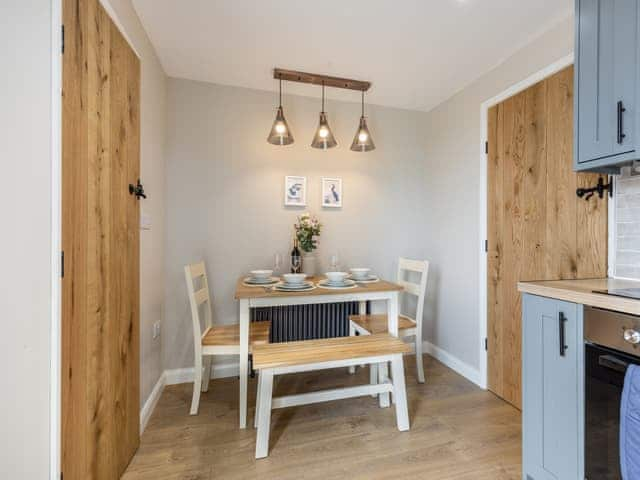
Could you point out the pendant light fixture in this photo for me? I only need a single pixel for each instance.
(362, 142)
(280, 133)
(324, 137)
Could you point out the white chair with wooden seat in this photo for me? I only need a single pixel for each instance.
(209, 339)
(293, 357)
(407, 326)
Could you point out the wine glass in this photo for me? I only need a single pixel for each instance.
(277, 263)
(334, 262)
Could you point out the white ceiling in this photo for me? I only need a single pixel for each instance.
(417, 53)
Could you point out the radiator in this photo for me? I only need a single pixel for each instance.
(307, 322)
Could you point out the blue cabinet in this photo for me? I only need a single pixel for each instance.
(607, 91)
(552, 389)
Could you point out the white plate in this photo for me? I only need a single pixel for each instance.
(293, 286)
(328, 284)
(304, 288)
(252, 282)
(368, 279)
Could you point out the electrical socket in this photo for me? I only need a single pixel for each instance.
(156, 330)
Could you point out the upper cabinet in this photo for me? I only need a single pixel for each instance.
(607, 90)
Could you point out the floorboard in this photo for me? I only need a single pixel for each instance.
(458, 431)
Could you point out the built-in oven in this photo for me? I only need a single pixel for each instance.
(612, 343)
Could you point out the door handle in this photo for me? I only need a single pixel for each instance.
(609, 361)
(621, 134)
(562, 320)
(137, 190)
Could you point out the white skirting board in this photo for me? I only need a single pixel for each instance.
(185, 375)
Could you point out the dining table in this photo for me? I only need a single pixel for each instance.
(250, 296)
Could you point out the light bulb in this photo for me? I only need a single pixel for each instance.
(280, 128)
(324, 132)
(362, 137)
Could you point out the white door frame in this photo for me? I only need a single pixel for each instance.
(55, 392)
(484, 109)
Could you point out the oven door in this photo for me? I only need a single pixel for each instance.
(604, 378)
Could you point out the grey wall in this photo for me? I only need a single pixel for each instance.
(225, 192)
(25, 286)
(153, 120)
(627, 226)
(452, 182)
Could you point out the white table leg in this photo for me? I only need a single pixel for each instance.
(392, 318)
(244, 359)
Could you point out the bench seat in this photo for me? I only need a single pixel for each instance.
(292, 357)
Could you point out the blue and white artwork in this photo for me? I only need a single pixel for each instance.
(295, 191)
(331, 192)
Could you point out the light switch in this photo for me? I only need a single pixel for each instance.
(145, 220)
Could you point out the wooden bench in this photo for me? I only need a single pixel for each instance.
(293, 357)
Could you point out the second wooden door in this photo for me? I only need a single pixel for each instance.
(100, 287)
(538, 229)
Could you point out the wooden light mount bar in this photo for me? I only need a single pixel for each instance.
(317, 79)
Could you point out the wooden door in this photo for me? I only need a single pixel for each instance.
(538, 229)
(100, 299)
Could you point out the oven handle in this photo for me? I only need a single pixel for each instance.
(613, 363)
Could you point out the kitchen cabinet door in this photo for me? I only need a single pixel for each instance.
(552, 402)
(606, 83)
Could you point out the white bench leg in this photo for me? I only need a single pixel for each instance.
(400, 393)
(197, 385)
(373, 375)
(264, 413)
(352, 333)
(383, 376)
(206, 375)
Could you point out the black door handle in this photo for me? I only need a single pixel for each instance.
(561, 331)
(137, 190)
(621, 134)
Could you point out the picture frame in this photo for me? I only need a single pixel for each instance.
(331, 192)
(295, 191)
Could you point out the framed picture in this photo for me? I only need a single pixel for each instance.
(295, 191)
(331, 192)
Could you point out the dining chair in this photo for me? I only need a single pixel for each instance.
(209, 339)
(407, 326)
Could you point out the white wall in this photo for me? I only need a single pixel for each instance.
(452, 182)
(25, 242)
(225, 192)
(153, 120)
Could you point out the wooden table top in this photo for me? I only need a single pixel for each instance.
(581, 291)
(244, 291)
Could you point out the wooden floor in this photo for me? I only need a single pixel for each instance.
(457, 432)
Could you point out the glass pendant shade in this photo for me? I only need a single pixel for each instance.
(280, 133)
(363, 142)
(324, 136)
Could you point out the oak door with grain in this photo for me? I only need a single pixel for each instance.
(100, 287)
(538, 229)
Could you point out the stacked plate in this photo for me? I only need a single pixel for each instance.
(363, 275)
(260, 278)
(336, 280)
(346, 283)
(294, 282)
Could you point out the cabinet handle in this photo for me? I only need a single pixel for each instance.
(621, 110)
(561, 322)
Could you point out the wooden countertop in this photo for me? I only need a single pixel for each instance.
(581, 291)
(244, 291)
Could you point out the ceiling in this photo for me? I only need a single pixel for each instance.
(417, 53)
